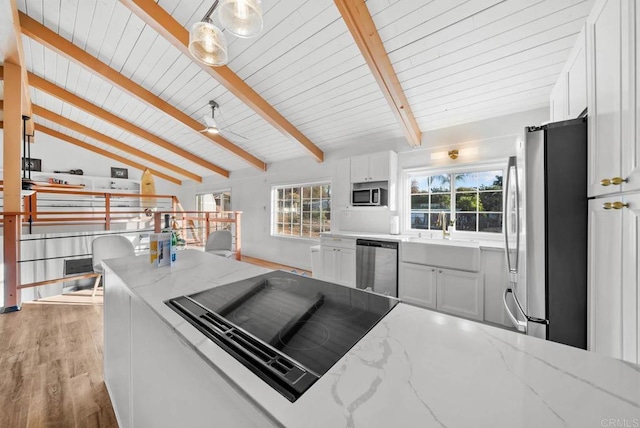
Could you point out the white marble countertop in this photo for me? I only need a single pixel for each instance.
(482, 244)
(415, 368)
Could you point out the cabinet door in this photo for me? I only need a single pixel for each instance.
(558, 100)
(359, 169)
(460, 293)
(379, 167)
(417, 285)
(345, 267)
(577, 78)
(631, 143)
(604, 65)
(630, 279)
(328, 269)
(605, 279)
(496, 280)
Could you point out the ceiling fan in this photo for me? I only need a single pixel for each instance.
(212, 125)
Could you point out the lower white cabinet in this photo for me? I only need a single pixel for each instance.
(417, 284)
(338, 261)
(460, 293)
(447, 290)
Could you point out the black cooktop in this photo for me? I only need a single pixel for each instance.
(286, 328)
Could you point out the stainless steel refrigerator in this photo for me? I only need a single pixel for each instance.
(546, 233)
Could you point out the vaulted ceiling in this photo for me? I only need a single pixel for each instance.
(457, 61)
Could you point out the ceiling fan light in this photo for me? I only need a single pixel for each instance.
(242, 18)
(213, 130)
(208, 44)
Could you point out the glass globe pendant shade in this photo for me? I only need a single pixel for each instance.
(243, 18)
(208, 44)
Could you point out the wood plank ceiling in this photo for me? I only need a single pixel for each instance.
(457, 61)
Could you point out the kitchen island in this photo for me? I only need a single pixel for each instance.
(414, 368)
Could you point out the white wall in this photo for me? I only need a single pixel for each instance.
(251, 189)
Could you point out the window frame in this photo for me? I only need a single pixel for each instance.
(211, 192)
(274, 190)
(408, 173)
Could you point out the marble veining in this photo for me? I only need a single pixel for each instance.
(415, 368)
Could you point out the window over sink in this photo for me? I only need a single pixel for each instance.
(302, 211)
(469, 198)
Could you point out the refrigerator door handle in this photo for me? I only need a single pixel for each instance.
(520, 325)
(512, 266)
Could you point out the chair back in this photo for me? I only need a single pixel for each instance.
(110, 247)
(219, 240)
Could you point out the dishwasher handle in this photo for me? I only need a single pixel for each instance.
(377, 244)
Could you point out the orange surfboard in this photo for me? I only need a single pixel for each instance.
(147, 187)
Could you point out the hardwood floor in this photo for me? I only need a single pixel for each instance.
(275, 266)
(51, 362)
(51, 366)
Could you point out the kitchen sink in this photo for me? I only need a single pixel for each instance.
(454, 254)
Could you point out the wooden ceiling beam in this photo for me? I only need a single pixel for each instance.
(38, 32)
(161, 21)
(67, 97)
(68, 123)
(11, 51)
(79, 143)
(364, 31)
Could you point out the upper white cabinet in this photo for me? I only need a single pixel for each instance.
(558, 102)
(569, 95)
(612, 47)
(375, 167)
(577, 77)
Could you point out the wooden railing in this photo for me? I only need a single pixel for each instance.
(99, 209)
(193, 226)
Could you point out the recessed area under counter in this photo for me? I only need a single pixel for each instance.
(161, 372)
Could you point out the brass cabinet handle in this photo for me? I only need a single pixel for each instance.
(614, 205)
(616, 181)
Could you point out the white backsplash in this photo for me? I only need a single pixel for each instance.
(370, 220)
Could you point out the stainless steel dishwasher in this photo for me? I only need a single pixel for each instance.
(377, 266)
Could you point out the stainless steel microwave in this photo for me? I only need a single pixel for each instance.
(369, 197)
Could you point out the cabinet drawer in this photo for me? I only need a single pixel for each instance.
(348, 243)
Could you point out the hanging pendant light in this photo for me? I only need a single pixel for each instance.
(207, 43)
(243, 18)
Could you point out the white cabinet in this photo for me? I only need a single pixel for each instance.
(460, 293)
(558, 101)
(338, 260)
(614, 300)
(577, 77)
(569, 95)
(375, 167)
(614, 143)
(448, 290)
(417, 284)
(496, 280)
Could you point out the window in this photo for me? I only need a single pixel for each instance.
(473, 199)
(302, 211)
(215, 201)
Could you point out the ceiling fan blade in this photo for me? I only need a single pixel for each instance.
(224, 131)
